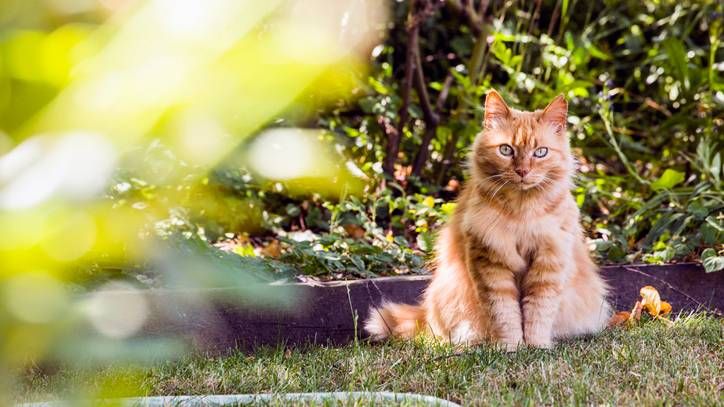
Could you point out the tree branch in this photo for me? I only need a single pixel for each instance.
(442, 97)
(432, 118)
(394, 139)
(467, 12)
(554, 18)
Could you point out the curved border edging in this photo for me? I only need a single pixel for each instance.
(235, 399)
(332, 313)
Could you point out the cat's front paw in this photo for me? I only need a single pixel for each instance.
(510, 346)
(539, 343)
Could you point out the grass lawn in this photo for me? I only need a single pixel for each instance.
(649, 364)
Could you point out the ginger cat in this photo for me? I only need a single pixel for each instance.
(512, 266)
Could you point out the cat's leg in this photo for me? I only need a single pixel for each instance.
(542, 288)
(496, 288)
(584, 308)
(583, 311)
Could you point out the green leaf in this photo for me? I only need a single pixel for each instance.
(669, 179)
(244, 250)
(676, 52)
(597, 52)
(716, 166)
(357, 261)
(448, 208)
(425, 242)
(712, 262)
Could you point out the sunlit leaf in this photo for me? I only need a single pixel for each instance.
(650, 300)
(676, 53)
(711, 261)
(669, 179)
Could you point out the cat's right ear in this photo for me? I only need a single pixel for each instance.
(495, 109)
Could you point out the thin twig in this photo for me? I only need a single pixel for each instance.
(428, 112)
(431, 117)
(442, 96)
(554, 18)
(607, 124)
(468, 13)
(536, 15)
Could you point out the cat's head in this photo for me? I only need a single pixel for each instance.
(522, 151)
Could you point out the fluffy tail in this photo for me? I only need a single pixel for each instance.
(399, 320)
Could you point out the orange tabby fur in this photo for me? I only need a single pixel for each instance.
(512, 266)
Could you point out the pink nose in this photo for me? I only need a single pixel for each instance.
(522, 172)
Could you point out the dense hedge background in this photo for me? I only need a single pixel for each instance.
(646, 103)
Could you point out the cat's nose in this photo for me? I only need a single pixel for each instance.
(522, 172)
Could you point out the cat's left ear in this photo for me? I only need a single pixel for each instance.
(556, 113)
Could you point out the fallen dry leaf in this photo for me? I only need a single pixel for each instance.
(354, 231)
(636, 312)
(273, 249)
(650, 300)
(619, 318)
(665, 308)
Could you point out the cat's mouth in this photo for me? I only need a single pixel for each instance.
(527, 184)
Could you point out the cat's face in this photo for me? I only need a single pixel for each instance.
(522, 150)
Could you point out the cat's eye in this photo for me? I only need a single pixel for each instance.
(506, 150)
(541, 152)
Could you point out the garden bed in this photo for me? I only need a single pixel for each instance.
(333, 312)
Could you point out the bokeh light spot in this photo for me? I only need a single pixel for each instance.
(117, 310)
(285, 154)
(35, 297)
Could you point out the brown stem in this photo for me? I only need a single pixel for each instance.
(476, 59)
(447, 157)
(432, 119)
(442, 97)
(554, 18)
(467, 12)
(536, 15)
(483, 7)
(421, 88)
(394, 139)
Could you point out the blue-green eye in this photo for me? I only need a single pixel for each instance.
(506, 150)
(541, 152)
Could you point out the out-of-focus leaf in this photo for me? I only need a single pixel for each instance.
(425, 241)
(676, 53)
(354, 231)
(711, 261)
(669, 179)
(273, 249)
(244, 250)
